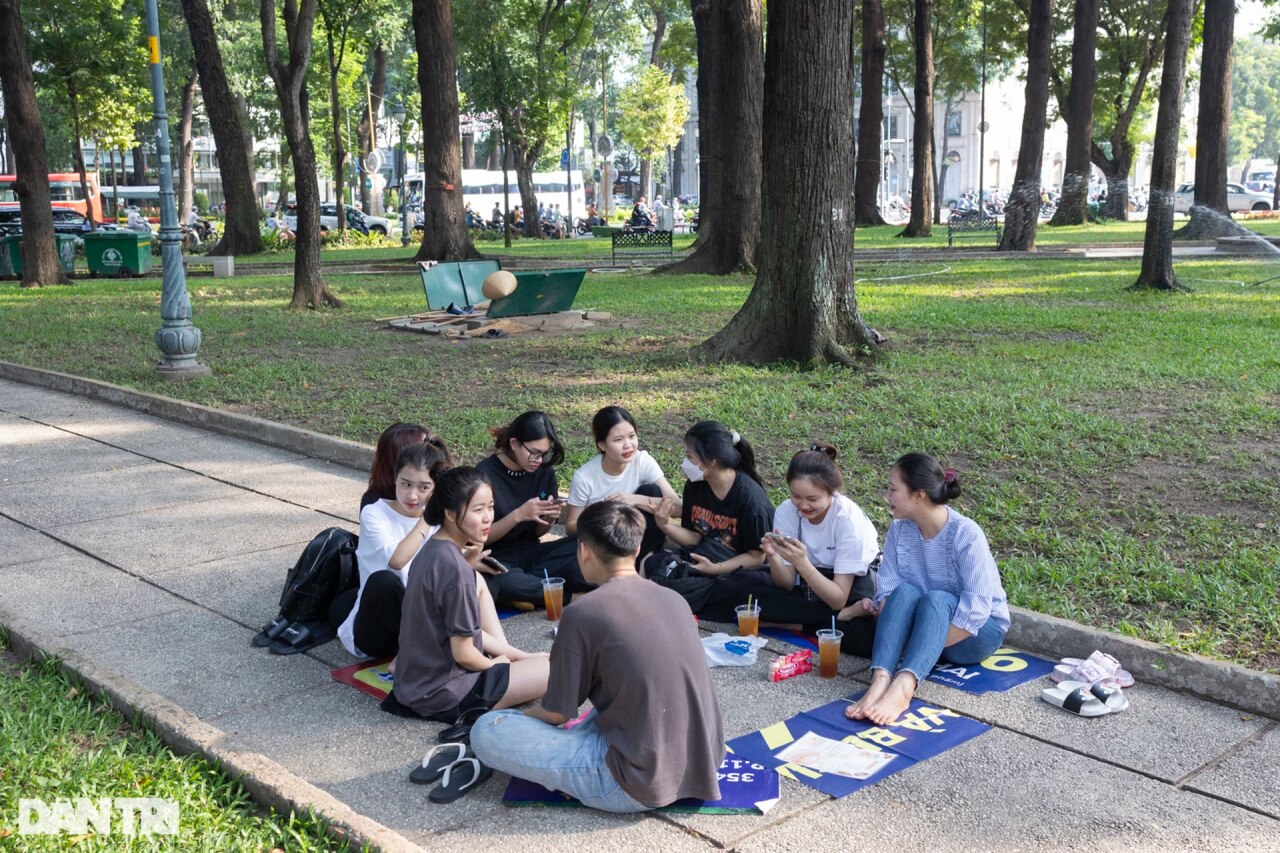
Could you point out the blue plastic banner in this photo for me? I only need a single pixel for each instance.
(1004, 670)
(919, 734)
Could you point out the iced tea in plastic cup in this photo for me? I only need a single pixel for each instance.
(829, 652)
(748, 620)
(553, 597)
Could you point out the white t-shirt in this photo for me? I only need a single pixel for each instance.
(382, 529)
(591, 483)
(845, 541)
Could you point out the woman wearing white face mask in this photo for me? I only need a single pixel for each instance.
(724, 515)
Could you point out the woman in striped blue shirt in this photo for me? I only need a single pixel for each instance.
(938, 592)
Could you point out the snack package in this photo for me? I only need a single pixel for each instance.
(789, 666)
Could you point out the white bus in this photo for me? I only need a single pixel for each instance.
(482, 189)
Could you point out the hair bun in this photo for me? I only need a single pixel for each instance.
(951, 484)
(827, 450)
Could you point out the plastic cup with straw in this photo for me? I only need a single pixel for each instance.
(748, 618)
(552, 596)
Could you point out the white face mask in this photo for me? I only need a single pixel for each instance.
(693, 472)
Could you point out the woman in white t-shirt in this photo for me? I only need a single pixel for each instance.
(622, 472)
(391, 534)
(821, 554)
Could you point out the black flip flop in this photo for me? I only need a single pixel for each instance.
(460, 732)
(459, 778)
(302, 636)
(437, 761)
(270, 632)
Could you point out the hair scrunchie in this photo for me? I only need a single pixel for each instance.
(949, 476)
(733, 435)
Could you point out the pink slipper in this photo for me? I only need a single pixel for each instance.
(1097, 667)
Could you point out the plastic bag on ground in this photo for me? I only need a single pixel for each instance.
(723, 650)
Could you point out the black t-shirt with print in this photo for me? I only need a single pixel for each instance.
(738, 522)
(510, 490)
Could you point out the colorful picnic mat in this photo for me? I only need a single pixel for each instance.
(373, 677)
(745, 787)
(822, 733)
(1004, 670)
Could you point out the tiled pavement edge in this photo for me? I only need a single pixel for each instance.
(145, 554)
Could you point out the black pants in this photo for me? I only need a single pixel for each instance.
(558, 558)
(654, 536)
(792, 606)
(377, 627)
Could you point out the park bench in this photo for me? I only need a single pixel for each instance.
(968, 225)
(641, 244)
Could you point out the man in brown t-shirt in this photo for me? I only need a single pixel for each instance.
(633, 649)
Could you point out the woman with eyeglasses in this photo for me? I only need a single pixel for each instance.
(526, 500)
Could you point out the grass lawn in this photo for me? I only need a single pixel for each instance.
(56, 743)
(879, 237)
(1118, 448)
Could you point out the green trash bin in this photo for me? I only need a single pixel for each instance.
(11, 256)
(118, 253)
(66, 252)
(11, 252)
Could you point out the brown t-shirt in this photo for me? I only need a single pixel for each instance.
(440, 601)
(633, 649)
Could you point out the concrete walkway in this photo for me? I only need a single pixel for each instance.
(155, 551)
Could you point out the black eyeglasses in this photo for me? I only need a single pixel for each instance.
(535, 455)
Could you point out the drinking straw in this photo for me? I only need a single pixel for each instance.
(749, 597)
(545, 575)
(833, 624)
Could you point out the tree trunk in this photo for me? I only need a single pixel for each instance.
(921, 224)
(445, 236)
(1116, 173)
(803, 307)
(370, 199)
(339, 146)
(1022, 210)
(26, 132)
(241, 232)
(139, 165)
(646, 178)
(186, 150)
(1157, 248)
(493, 161)
(73, 103)
(290, 79)
(1210, 216)
(1073, 206)
(524, 160)
(866, 185)
(730, 103)
(282, 199)
(468, 150)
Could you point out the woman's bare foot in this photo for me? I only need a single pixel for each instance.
(391, 666)
(896, 699)
(879, 683)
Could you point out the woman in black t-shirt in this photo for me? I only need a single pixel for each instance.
(724, 515)
(527, 502)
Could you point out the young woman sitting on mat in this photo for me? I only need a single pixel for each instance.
(723, 516)
(820, 554)
(621, 472)
(449, 665)
(382, 476)
(390, 534)
(939, 592)
(527, 502)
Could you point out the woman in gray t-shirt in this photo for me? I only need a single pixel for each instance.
(448, 664)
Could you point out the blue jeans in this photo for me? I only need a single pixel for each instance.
(566, 760)
(911, 633)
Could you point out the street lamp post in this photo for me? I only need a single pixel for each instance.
(177, 338)
(398, 115)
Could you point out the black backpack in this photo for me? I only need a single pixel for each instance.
(326, 569)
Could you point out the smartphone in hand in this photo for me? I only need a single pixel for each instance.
(495, 564)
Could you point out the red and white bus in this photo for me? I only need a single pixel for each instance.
(64, 191)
